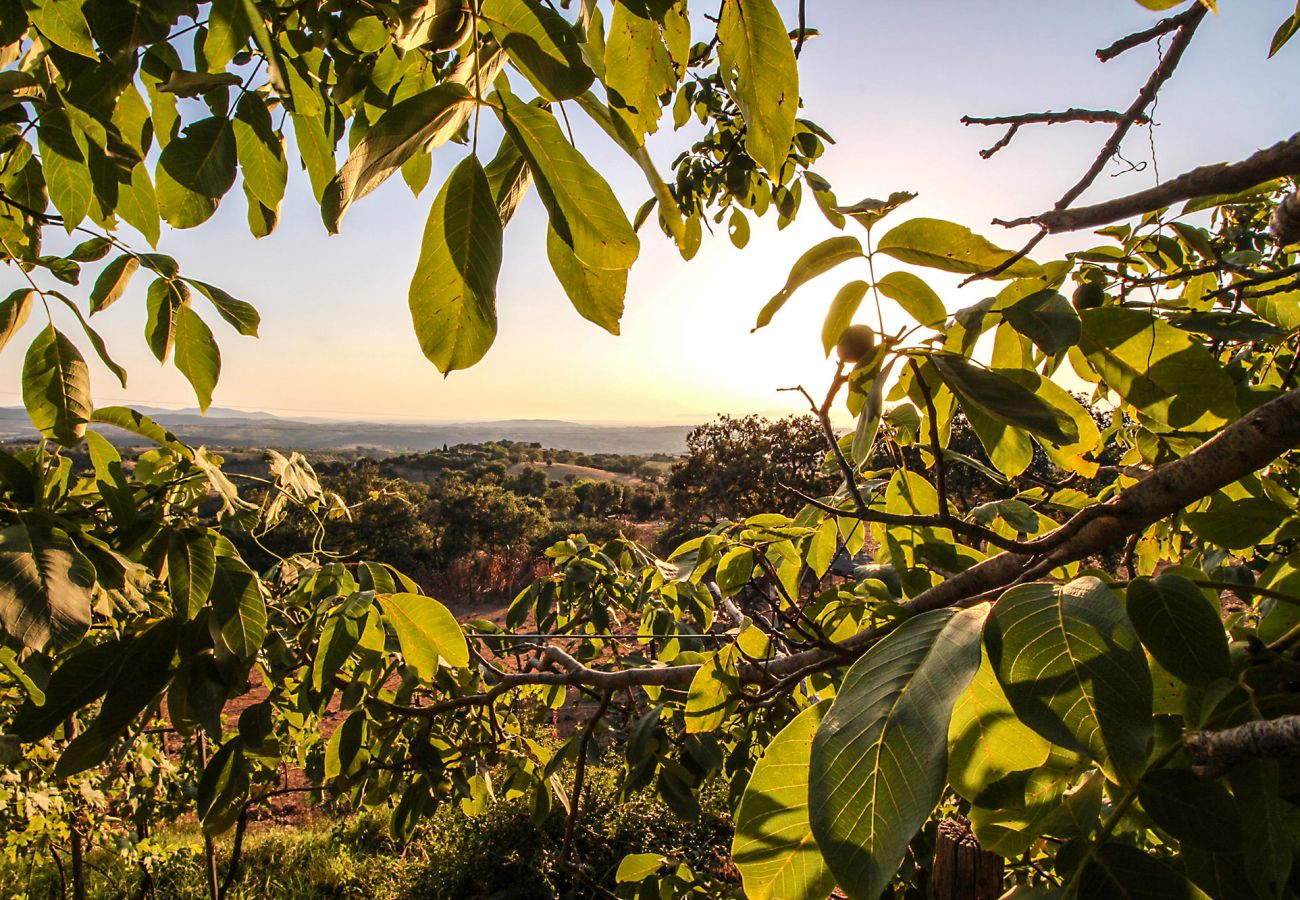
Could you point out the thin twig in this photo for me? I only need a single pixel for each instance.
(823, 414)
(579, 776)
(1137, 39)
(1042, 118)
(1185, 30)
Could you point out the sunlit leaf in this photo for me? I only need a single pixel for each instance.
(453, 293)
(949, 247)
(1073, 669)
(773, 845)
(879, 759)
(821, 258)
(758, 66)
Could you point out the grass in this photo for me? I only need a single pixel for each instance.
(499, 854)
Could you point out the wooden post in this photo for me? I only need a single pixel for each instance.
(962, 869)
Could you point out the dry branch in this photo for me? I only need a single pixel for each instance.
(1185, 29)
(1138, 38)
(1043, 118)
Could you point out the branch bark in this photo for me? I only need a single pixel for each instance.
(1138, 38)
(1043, 118)
(1278, 161)
(1185, 29)
(1215, 752)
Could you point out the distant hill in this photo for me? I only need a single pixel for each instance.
(235, 429)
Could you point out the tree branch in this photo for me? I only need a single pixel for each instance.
(1185, 28)
(1137, 39)
(1278, 161)
(1215, 752)
(1042, 118)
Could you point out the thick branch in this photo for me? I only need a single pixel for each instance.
(1245, 446)
(1278, 161)
(1215, 752)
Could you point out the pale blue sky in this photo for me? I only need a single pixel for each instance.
(889, 80)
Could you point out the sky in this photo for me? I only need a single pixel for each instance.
(890, 81)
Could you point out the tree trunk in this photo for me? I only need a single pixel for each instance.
(962, 870)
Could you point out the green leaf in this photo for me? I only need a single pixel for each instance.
(758, 67)
(426, 630)
(1166, 373)
(63, 22)
(453, 294)
(164, 299)
(56, 387)
(80, 678)
(101, 349)
(583, 209)
(638, 68)
(542, 45)
(821, 258)
(1123, 872)
(142, 678)
(195, 171)
(228, 33)
(1198, 811)
(241, 316)
(66, 174)
(870, 211)
(597, 294)
(112, 282)
(1177, 623)
(193, 84)
(840, 314)
(773, 846)
(1237, 524)
(949, 247)
(9, 660)
(197, 356)
(1047, 319)
(991, 753)
(1285, 32)
(637, 867)
(338, 638)
(1073, 670)
(138, 423)
(916, 298)
(261, 154)
(223, 788)
(712, 693)
(14, 310)
(191, 569)
(239, 608)
(110, 479)
(346, 752)
(45, 586)
(508, 174)
(879, 760)
(1000, 398)
(416, 124)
